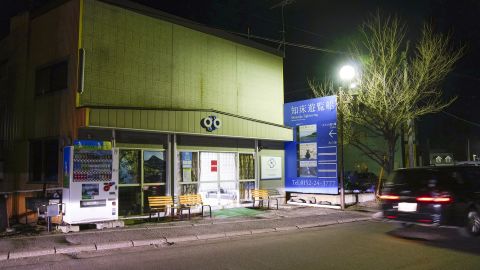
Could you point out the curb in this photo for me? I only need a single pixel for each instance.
(150, 242)
(30, 253)
(74, 249)
(114, 245)
(164, 241)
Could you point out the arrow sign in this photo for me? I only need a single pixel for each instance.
(331, 133)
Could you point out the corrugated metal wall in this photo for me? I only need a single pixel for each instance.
(185, 122)
(139, 61)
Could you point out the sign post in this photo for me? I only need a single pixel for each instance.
(311, 159)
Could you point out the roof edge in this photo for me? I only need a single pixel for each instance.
(155, 13)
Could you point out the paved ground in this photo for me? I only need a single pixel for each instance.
(356, 245)
(286, 218)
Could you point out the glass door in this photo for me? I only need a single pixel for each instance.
(218, 178)
(227, 179)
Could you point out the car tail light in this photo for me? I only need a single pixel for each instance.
(428, 199)
(389, 197)
(425, 220)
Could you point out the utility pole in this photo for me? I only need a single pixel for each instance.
(282, 4)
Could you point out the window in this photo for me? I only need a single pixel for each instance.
(142, 173)
(129, 172)
(154, 167)
(247, 166)
(187, 172)
(44, 161)
(246, 174)
(51, 78)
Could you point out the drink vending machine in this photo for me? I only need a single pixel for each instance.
(90, 188)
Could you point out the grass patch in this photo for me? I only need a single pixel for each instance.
(237, 212)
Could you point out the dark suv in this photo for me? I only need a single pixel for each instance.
(446, 195)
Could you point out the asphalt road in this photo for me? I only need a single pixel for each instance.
(360, 245)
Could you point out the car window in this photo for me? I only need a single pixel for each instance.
(414, 179)
(472, 176)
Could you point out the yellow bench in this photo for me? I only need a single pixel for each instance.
(158, 204)
(193, 200)
(262, 195)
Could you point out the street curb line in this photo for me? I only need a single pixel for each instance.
(149, 242)
(318, 224)
(238, 233)
(182, 239)
(31, 253)
(363, 219)
(74, 249)
(113, 245)
(266, 230)
(288, 228)
(346, 220)
(211, 236)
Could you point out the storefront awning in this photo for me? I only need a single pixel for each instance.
(185, 122)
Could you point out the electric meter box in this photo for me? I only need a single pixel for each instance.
(90, 183)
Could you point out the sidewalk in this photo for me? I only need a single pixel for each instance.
(286, 218)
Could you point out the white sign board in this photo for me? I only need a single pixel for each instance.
(271, 167)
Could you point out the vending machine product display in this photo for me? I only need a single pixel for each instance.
(90, 188)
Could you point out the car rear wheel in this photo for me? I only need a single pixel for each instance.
(473, 222)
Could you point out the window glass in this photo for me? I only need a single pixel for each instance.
(51, 78)
(59, 76)
(154, 167)
(152, 191)
(129, 201)
(245, 189)
(129, 166)
(472, 176)
(189, 189)
(247, 166)
(188, 167)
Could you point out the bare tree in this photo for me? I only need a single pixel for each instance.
(398, 83)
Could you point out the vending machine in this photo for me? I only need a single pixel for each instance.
(90, 188)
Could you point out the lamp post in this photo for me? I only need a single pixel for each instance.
(347, 73)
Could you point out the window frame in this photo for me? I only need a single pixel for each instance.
(141, 184)
(50, 66)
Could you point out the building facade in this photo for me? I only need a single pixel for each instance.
(192, 109)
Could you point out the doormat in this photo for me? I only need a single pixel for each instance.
(237, 212)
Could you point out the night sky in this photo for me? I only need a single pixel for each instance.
(332, 25)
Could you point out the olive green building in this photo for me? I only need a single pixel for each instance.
(146, 81)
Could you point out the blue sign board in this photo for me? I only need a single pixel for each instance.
(311, 159)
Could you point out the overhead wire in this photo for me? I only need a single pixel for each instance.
(461, 119)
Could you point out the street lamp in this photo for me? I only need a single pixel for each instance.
(347, 74)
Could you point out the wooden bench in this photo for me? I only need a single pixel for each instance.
(158, 204)
(262, 195)
(193, 200)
